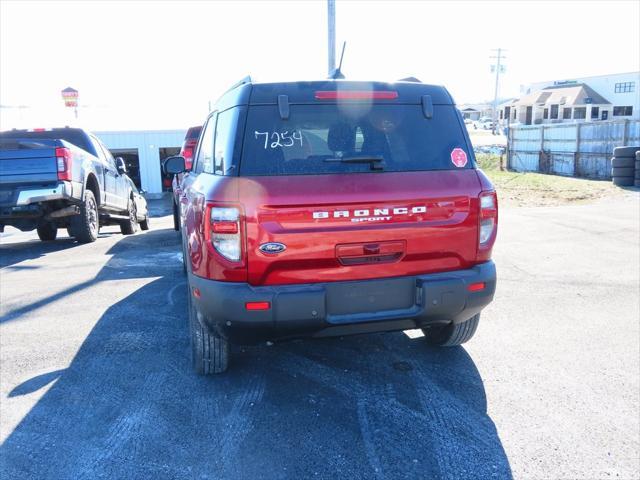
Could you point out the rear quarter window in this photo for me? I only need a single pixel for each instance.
(315, 139)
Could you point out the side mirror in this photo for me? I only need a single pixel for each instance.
(174, 165)
(121, 166)
(143, 192)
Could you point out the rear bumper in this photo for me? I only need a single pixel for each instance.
(342, 308)
(23, 202)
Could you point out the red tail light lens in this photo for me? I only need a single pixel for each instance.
(488, 219)
(187, 153)
(64, 163)
(223, 231)
(356, 95)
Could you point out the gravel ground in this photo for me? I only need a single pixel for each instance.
(95, 378)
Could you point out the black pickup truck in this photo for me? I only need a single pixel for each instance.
(64, 178)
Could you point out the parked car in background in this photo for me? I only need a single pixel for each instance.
(187, 151)
(485, 123)
(63, 178)
(141, 208)
(327, 208)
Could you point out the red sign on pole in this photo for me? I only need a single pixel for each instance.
(70, 97)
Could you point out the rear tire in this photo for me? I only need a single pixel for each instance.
(453, 334)
(144, 225)
(84, 226)
(129, 227)
(209, 353)
(47, 232)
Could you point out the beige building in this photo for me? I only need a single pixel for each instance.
(557, 104)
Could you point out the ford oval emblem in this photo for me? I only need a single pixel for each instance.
(272, 247)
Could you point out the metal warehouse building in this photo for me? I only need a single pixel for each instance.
(143, 152)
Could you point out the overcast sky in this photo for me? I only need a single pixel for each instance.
(156, 64)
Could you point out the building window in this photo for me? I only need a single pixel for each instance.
(566, 114)
(514, 113)
(580, 113)
(501, 113)
(545, 113)
(554, 112)
(595, 112)
(625, 87)
(622, 111)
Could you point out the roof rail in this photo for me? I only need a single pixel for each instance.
(243, 81)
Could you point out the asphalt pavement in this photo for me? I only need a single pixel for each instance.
(95, 378)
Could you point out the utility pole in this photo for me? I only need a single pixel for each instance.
(499, 68)
(331, 24)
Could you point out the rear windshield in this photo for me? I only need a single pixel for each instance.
(74, 137)
(356, 138)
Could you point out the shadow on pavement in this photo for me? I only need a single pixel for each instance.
(129, 406)
(14, 253)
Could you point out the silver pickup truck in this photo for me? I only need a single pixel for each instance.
(65, 178)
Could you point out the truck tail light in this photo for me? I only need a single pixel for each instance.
(224, 232)
(64, 163)
(187, 153)
(488, 219)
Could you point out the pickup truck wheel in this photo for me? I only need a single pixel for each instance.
(209, 353)
(84, 226)
(453, 334)
(129, 227)
(144, 224)
(47, 232)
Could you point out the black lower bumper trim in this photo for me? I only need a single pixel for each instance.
(342, 308)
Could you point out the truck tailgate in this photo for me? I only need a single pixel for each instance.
(22, 166)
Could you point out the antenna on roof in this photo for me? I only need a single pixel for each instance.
(337, 74)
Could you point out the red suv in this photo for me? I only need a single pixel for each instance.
(328, 208)
(186, 152)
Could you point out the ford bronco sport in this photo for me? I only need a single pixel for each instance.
(334, 207)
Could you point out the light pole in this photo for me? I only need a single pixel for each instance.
(331, 31)
(499, 68)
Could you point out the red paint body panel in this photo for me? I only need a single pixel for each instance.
(443, 236)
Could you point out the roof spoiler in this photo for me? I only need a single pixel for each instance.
(243, 81)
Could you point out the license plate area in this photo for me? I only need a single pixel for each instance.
(371, 296)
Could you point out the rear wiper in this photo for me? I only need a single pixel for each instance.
(376, 163)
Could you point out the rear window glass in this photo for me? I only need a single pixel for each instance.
(74, 137)
(321, 139)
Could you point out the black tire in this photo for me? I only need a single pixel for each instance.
(622, 171)
(209, 353)
(453, 334)
(625, 151)
(176, 217)
(85, 226)
(47, 232)
(623, 162)
(623, 181)
(144, 224)
(130, 226)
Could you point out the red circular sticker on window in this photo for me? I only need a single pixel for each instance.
(458, 157)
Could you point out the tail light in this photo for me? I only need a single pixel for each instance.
(64, 163)
(224, 232)
(187, 153)
(488, 220)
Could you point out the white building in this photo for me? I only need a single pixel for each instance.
(143, 152)
(622, 90)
